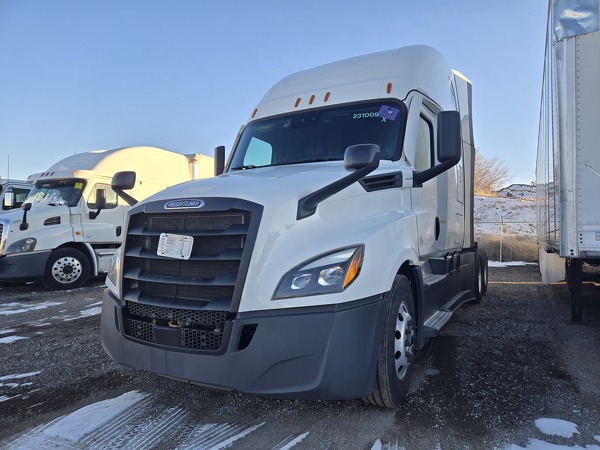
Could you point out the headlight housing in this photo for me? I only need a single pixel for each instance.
(326, 274)
(113, 276)
(22, 246)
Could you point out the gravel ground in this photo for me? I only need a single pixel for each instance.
(494, 370)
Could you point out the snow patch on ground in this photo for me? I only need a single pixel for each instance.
(7, 331)
(87, 419)
(556, 427)
(18, 376)
(85, 313)
(8, 309)
(509, 263)
(537, 444)
(11, 339)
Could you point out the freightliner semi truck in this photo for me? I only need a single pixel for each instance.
(568, 157)
(62, 235)
(338, 240)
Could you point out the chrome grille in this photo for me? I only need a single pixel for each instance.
(186, 303)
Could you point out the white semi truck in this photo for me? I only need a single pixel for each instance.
(338, 240)
(568, 158)
(13, 194)
(62, 235)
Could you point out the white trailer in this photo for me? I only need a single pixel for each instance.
(568, 157)
(336, 243)
(61, 235)
(13, 194)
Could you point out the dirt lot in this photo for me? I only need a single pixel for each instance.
(494, 370)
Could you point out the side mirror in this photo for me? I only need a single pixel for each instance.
(362, 159)
(359, 156)
(9, 198)
(24, 225)
(100, 203)
(449, 147)
(219, 160)
(122, 181)
(448, 136)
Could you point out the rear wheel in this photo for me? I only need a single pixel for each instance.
(397, 349)
(67, 268)
(481, 278)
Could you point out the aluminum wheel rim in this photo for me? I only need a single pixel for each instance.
(66, 269)
(403, 340)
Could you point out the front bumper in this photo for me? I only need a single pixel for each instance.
(325, 352)
(23, 266)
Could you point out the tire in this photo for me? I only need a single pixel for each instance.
(481, 279)
(485, 271)
(397, 348)
(67, 268)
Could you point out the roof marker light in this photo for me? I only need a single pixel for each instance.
(389, 88)
(326, 96)
(254, 112)
(312, 99)
(297, 102)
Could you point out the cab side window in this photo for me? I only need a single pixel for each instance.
(111, 197)
(424, 153)
(20, 196)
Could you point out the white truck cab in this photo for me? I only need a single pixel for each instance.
(13, 194)
(61, 235)
(338, 240)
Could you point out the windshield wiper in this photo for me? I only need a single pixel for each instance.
(245, 167)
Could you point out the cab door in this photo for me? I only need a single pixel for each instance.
(425, 198)
(107, 226)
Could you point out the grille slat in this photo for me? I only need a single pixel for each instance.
(188, 299)
(226, 255)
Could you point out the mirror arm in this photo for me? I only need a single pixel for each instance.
(24, 225)
(125, 196)
(421, 177)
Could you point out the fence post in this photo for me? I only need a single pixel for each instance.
(501, 227)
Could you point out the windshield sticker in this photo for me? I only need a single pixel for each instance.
(365, 115)
(387, 112)
(78, 185)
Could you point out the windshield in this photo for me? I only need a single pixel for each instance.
(56, 192)
(321, 135)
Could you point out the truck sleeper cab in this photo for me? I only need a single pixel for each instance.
(337, 242)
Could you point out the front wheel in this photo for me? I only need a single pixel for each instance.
(397, 349)
(67, 268)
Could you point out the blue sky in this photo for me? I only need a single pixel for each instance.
(81, 75)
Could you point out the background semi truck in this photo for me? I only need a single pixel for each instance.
(61, 236)
(568, 156)
(13, 194)
(336, 243)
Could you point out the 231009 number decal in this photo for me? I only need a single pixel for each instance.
(365, 115)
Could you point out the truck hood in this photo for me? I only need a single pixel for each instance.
(266, 184)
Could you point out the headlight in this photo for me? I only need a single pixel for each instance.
(113, 277)
(22, 246)
(325, 275)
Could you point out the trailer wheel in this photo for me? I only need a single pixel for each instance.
(397, 349)
(67, 268)
(481, 278)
